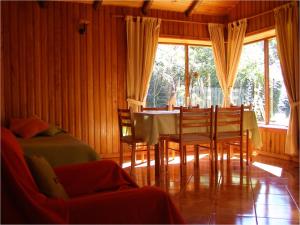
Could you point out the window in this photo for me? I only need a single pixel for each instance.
(168, 77)
(183, 73)
(204, 85)
(279, 103)
(259, 81)
(249, 84)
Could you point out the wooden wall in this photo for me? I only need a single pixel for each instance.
(274, 142)
(72, 80)
(78, 81)
(246, 9)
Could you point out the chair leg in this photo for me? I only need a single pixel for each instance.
(216, 156)
(241, 152)
(247, 147)
(196, 153)
(167, 155)
(133, 158)
(162, 152)
(181, 159)
(148, 156)
(121, 154)
(184, 155)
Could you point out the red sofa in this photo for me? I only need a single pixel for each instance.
(100, 192)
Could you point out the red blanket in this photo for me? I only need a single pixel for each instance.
(100, 192)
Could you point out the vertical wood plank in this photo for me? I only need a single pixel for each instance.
(108, 78)
(96, 72)
(14, 59)
(90, 79)
(37, 58)
(103, 83)
(77, 65)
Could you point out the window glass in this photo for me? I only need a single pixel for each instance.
(279, 104)
(167, 83)
(204, 88)
(249, 83)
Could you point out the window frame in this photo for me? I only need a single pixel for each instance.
(186, 65)
(266, 123)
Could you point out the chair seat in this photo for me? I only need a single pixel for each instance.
(130, 140)
(190, 138)
(225, 136)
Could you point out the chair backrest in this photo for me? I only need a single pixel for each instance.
(229, 117)
(154, 108)
(185, 107)
(246, 107)
(125, 121)
(195, 121)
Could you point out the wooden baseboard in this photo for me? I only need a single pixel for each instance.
(279, 156)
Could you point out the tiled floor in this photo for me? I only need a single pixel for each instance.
(266, 192)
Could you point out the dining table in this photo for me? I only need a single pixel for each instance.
(149, 125)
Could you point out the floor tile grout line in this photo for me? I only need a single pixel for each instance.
(252, 191)
(290, 194)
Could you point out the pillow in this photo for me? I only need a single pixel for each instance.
(52, 131)
(45, 177)
(27, 128)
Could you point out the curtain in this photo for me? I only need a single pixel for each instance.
(236, 35)
(142, 41)
(216, 32)
(287, 36)
(227, 59)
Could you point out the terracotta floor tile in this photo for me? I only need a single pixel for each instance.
(231, 195)
(233, 219)
(277, 211)
(272, 199)
(272, 221)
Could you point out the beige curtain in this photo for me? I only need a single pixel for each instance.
(287, 36)
(216, 32)
(142, 40)
(227, 59)
(236, 35)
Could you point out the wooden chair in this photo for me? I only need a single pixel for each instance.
(128, 137)
(246, 108)
(195, 128)
(185, 107)
(232, 117)
(154, 108)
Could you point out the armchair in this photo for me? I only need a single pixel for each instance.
(100, 192)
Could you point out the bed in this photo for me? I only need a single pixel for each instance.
(59, 150)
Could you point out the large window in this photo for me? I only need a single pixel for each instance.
(183, 74)
(259, 81)
(186, 74)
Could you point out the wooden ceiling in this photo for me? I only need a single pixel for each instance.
(208, 7)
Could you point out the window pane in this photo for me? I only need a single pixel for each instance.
(279, 104)
(168, 80)
(204, 85)
(249, 83)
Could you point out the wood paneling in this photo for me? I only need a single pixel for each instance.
(273, 142)
(78, 81)
(247, 9)
(72, 80)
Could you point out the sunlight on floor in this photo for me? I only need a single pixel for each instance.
(269, 168)
(171, 161)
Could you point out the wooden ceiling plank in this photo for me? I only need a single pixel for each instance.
(192, 7)
(146, 6)
(97, 4)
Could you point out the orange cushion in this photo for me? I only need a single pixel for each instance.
(27, 128)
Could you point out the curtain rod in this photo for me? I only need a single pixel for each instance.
(195, 22)
(167, 20)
